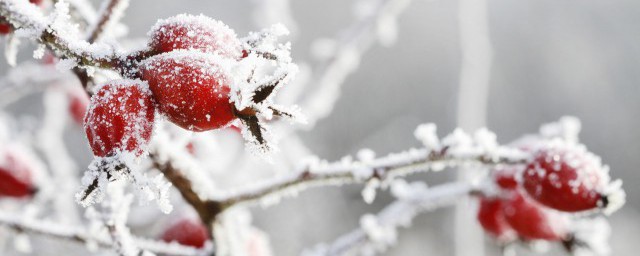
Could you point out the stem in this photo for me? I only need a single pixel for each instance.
(107, 17)
(398, 213)
(72, 233)
(207, 210)
(401, 164)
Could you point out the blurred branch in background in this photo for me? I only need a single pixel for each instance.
(473, 93)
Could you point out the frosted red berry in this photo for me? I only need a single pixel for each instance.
(190, 32)
(15, 176)
(187, 232)
(192, 89)
(78, 104)
(120, 118)
(566, 178)
(531, 220)
(491, 218)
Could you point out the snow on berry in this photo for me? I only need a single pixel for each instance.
(533, 221)
(120, 118)
(15, 175)
(191, 88)
(493, 220)
(199, 32)
(187, 232)
(568, 178)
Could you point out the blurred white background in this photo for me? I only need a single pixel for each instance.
(551, 58)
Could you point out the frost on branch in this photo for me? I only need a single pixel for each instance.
(103, 171)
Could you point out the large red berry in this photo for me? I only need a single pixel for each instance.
(566, 178)
(189, 32)
(15, 175)
(78, 104)
(531, 220)
(120, 118)
(187, 232)
(191, 89)
(493, 221)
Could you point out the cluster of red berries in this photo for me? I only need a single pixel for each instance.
(5, 27)
(535, 201)
(15, 175)
(188, 83)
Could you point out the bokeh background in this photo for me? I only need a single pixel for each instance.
(551, 58)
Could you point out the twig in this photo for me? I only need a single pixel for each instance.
(353, 42)
(207, 210)
(395, 215)
(400, 164)
(110, 14)
(73, 233)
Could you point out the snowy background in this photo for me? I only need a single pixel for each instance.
(551, 58)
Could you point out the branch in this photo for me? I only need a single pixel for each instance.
(352, 43)
(110, 14)
(23, 15)
(207, 210)
(385, 168)
(395, 215)
(73, 233)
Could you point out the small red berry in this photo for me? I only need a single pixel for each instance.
(531, 220)
(566, 178)
(15, 176)
(78, 104)
(493, 221)
(120, 118)
(191, 89)
(5, 28)
(189, 32)
(187, 232)
(506, 177)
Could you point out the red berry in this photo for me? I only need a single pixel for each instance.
(493, 221)
(191, 89)
(187, 232)
(120, 118)
(505, 177)
(5, 28)
(36, 2)
(531, 220)
(78, 104)
(15, 176)
(566, 178)
(189, 32)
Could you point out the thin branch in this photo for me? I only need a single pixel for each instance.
(111, 13)
(26, 16)
(395, 215)
(393, 165)
(351, 44)
(207, 210)
(75, 234)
